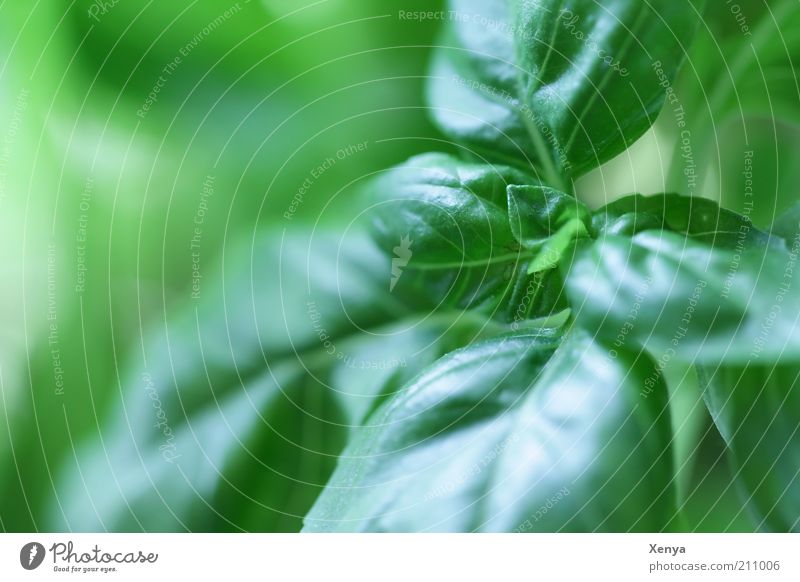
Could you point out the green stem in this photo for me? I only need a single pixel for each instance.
(551, 173)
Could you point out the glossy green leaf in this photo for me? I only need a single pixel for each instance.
(755, 408)
(546, 221)
(698, 218)
(446, 221)
(687, 301)
(514, 434)
(563, 86)
(455, 213)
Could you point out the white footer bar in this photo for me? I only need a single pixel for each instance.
(390, 557)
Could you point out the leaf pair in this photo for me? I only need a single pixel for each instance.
(558, 86)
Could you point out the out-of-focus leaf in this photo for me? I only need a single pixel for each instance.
(114, 178)
(234, 412)
(751, 167)
(761, 78)
(274, 90)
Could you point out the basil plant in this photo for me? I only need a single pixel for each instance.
(483, 345)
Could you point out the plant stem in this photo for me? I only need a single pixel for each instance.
(553, 176)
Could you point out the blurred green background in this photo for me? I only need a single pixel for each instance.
(125, 123)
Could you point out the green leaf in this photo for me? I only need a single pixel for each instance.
(698, 218)
(234, 412)
(755, 408)
(548, 222)
(564, 87)
(513, 434)
(446, 221)
(688, 301)
(454, 212)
